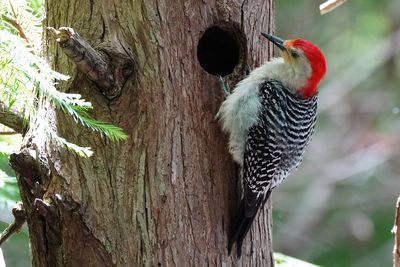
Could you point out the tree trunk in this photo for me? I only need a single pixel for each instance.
(396, 232)
(167, 195)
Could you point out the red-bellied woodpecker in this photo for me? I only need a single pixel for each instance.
(270, 118)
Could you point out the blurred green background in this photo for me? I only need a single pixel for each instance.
(337, 210)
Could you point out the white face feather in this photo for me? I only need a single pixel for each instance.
(291, 72)
(239, 112)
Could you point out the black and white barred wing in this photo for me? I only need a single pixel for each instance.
(274, 148)
(264, 148)
(262, 156)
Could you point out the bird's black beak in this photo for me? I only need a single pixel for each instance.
(275, 40)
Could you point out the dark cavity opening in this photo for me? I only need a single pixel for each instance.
(218, 51)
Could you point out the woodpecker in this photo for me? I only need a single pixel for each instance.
(270, 118)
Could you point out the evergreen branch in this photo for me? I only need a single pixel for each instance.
(112, 132)
(18, 27)
(27, 82)
(75, 106)
(62, 142)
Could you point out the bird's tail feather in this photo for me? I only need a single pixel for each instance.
(240, 228)
(243, 223)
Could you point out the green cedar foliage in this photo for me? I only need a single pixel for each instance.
(27, 82)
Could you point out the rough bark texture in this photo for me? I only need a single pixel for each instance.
(166, 196)
(396, 232)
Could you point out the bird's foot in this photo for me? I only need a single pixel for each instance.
(225, 86)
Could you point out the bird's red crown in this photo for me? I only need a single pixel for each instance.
(317, 62)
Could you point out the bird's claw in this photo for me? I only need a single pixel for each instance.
(224, 85)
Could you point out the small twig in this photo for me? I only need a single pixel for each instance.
(396, 232)
(19, 28)
(8, 133)
(330, 5)
(19, 219)
(88, 60)
(13, 21)
(11, 118)
(12, 8)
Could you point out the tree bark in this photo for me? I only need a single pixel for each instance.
(396, 232)
(167, 195)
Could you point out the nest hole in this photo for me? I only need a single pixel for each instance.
(218, 51)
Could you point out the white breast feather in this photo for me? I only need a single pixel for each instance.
(239, 112)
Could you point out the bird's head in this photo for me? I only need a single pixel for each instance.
(305, 58)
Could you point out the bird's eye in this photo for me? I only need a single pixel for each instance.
(294, 54)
